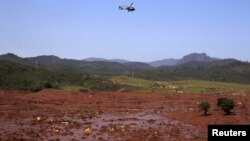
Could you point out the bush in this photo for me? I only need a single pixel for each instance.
(48, 85)
(227, 105)
(204, 106)
(35, 87)
(219, 101)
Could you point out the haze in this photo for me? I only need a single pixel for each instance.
(96, 28)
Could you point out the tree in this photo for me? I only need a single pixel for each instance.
(219, 101)
(204, 106)
(227, 105)
(48, 85)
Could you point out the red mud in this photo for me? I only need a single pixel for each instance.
(108, 116)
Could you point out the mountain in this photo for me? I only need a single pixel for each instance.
(137, 65)
(164, 62)
(200, 57)
(12, 57)
(41, 69)
(54, 63)
(214, 63)
(45, 60)
(93, 59)
(194, 57)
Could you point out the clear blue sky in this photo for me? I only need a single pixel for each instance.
(158, 29)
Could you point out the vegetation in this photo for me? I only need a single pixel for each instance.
(185, 86)
(18, 73)
(219, 101)
(226, 70)
(227, 105)
(204, 106)
(236, 72)
(25, 77)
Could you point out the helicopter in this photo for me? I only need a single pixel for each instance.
(129, 8)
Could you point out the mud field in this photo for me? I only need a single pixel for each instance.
(107, 116)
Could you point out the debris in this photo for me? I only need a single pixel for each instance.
(51, 120)
(132, 125)
(38, 118)
(111, 129)
(87, 130)
(191, 109)
(123, 128)
(65, 123)
(54, 130)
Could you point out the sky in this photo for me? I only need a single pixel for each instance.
(158, 29)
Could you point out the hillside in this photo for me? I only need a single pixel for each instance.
(55, 63)
(199, 57)
(164, 62)
(235, 71)
(26, 77)
(184, 86)
(201, 67)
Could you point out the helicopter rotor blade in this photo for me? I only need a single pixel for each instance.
(131, 4)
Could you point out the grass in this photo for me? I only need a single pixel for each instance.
(186, 86)
(71, 88)
(131, 81)
(198, 86)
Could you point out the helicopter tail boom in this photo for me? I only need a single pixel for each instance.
(121, 8)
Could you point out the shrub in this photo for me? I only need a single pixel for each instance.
(48, 85)
(219, 101)
(35, 88)
(204, 106)
(227, 105)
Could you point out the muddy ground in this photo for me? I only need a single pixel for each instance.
(108, 116)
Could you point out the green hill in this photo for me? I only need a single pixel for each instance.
(54, 70)
(236, 72)
(27, 77)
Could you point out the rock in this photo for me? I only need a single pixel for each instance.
(38, 118)
(87, 130)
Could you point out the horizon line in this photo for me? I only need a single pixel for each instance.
(110, 59)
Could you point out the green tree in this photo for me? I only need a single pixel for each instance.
(204, 106)
(227, 105)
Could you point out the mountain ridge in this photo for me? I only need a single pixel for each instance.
(93, 59)
(199, 67)
(50, 60)
(200, 57)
